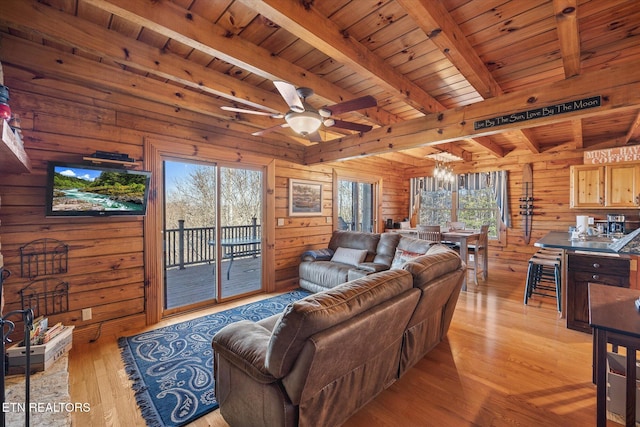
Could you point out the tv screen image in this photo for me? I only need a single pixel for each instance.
(94, 190)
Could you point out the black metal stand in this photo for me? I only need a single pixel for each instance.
(7, 327)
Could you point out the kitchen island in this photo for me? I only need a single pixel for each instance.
(596, 259)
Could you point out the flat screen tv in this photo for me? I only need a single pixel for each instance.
(95, 190)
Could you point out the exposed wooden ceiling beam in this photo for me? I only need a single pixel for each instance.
(80, 34)
(576, 126)
(566, 12)
(619, 87)
(633, 134)
(305, 22)
(172, 21)
(437, 23)
(488, 143)
(69, 67)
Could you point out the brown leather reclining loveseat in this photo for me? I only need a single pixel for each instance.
(362, 254)
(329, 354)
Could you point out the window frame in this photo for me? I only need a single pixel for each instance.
(500, 226)
(376, 210)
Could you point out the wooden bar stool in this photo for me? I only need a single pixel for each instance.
(545, 268)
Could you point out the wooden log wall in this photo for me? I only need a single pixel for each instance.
(302, 233)
(65, 122)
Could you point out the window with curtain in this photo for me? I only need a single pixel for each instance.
(475, 199)
(436, 201)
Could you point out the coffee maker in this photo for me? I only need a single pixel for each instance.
(615, 224)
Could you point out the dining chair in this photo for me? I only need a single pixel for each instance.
(429, 232)
(456, 225)
(479, 249)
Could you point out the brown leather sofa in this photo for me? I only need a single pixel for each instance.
(329, 354)
(319, 271)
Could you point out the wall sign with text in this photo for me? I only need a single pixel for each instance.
(630, 153)
(537, 113)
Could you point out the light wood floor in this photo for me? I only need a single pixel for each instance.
(503, 364)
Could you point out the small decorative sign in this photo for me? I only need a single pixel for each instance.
(536, 113)
(630, 153)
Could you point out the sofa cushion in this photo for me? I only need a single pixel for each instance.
(386, 249)
(438, 260)
(349, 256)
(327, 273)
(413, 244)
(403, 256)
(318, 312)
(355, 240)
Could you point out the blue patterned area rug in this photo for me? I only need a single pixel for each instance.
(172, 367)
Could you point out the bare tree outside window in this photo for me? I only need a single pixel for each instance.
(355, 205)
(241, 196)
(192, 197)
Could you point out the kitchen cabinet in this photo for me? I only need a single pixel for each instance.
(587, 186)
(622, 185)
(605, 186)
(584, 269)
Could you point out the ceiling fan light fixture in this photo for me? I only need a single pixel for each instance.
(304, 123)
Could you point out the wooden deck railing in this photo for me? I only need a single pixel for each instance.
(189, 246)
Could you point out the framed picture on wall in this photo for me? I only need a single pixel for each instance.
(305, 198)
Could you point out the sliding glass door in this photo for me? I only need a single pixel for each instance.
(212, 233)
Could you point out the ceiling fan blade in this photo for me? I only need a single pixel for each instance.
(348, 125)
(351, 105)
(290, 95)
(269, 130)
(259, 113)
(314, 137)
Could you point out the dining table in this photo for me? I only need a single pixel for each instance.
(465, 237)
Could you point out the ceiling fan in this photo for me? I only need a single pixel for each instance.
(306, 120)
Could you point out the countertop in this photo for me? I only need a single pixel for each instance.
(628, 244)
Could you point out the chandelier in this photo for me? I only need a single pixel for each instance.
(441, 171)
(444, 173)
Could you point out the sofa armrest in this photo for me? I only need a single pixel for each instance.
(372, 267)
(244, 344)
(317, 255)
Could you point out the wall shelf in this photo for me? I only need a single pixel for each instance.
(13, 158)
(98, 161)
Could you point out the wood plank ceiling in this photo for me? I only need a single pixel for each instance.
(434, 67)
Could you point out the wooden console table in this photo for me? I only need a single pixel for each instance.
(614, 319)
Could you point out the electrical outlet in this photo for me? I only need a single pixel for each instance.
(86, 314)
